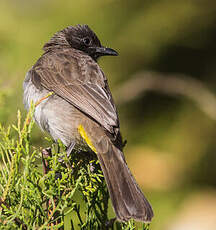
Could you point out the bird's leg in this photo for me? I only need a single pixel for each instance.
(70, 148)
(68, 151)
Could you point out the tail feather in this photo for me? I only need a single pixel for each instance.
(127, 199)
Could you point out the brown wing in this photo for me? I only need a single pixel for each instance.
(80, 81)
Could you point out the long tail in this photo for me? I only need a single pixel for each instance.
(127, 199)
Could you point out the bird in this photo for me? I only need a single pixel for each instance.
(81, 97)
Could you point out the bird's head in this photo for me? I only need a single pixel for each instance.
(79, 37)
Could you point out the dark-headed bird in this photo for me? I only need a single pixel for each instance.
(82, 98)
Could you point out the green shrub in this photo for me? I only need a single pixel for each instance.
(33, 199)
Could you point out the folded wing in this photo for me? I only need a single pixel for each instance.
(80, 82)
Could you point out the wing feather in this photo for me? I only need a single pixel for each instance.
(81, 83)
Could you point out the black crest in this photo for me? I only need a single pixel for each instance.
(79, 37)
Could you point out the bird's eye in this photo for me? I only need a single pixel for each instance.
(86, 41)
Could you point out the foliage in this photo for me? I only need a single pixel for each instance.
(31, 199)
(171, 144)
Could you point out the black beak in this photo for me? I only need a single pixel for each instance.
(96, 52)
(103, 51)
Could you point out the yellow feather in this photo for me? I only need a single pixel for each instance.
(86, 138)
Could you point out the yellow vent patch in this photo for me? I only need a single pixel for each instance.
(86, 138)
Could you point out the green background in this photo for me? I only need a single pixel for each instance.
(163, 82)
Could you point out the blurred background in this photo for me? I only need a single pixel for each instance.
(163, 82)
